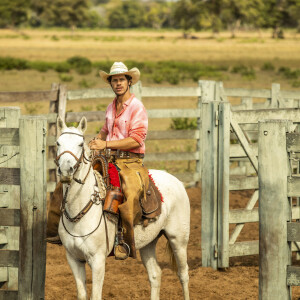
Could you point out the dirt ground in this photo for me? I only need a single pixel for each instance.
(128, 279)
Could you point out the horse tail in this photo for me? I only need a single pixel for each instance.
(171, 255)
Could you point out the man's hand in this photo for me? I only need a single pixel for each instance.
(97, 144)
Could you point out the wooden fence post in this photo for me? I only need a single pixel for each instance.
(62, 101)
(209, 138)
(9, 194)
(274, 210)
(223, 184)
(136, 89)
(53, 108)
(275, 94)
(32, 255)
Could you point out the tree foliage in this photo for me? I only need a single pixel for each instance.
(62, 12)
(13, 12)
(214, 15)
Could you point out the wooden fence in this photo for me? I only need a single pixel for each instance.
(220, 124)
(279, 210)
(59, 95)
(22, 205)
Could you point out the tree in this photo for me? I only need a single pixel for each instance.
(67, 13)
(240, 12)
(13, 12)
(279, 14)
(158, 14)
(129, 14)
(294, 13)
(199, 14)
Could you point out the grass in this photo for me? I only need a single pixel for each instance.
(148, 46)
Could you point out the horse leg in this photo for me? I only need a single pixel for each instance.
(97, 264)
(148, 256)
(179, 248)
(78, 269)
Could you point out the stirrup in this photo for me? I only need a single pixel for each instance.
(121, 251)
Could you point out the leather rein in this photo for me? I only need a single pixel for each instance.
(95, 198)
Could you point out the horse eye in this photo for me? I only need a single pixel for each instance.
(81, 145)
(57, 143)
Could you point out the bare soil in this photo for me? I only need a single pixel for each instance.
(128, 279)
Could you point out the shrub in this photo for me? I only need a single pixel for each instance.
(54, 38)
(72, 124)
(249, 74)
(65, 77)
(296, 84)
(239, 69)
(268, 66)
(82, 65)
(85, 84)
(101, 107)
(41, 66)
(183, 124)
(288, 73)
(157, 77)
(173, 77)
(10, 63)
(62, 67)
(86, 108)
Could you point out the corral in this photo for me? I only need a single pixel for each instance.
(216, 119)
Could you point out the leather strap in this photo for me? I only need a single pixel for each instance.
(120, 154)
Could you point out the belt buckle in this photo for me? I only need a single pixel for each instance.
(120, 153)
(107, 153)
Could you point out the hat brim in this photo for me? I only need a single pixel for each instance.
(134, 73)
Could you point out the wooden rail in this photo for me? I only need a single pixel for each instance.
(22, 205)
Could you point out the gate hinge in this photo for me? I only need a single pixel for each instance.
(216, 251)
(217, 118)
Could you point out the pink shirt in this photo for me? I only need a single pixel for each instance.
(132, 122)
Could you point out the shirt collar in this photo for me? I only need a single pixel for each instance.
(126, 103)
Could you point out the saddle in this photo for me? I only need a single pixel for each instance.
(150, 201)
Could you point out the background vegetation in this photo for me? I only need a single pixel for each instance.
(215, 15)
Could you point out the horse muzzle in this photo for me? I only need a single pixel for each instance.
(66, 178)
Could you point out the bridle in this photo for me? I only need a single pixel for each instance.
(79, 160)
(95, 199)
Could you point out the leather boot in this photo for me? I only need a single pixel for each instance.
(54, 215)
(126, 211)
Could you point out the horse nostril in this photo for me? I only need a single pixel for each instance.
(71, 169)
(59, 171)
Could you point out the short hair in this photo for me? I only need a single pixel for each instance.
(128, 77)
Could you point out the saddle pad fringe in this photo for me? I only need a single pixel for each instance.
(151, 178)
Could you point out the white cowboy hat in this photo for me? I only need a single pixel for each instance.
(119, 68)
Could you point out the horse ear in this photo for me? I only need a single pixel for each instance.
(82, 124)
(60, 124)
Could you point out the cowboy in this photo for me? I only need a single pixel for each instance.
(122, 140)
(123, 137)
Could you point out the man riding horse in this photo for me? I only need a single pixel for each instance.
(122, 141)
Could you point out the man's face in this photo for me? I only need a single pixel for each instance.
(119, 84)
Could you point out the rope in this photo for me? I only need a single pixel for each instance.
(101, 184)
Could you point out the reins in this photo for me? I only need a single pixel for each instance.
(95, 198)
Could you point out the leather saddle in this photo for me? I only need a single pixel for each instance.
(150, 205)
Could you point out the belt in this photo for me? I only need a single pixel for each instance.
(120, 154)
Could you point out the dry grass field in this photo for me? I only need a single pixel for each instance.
(57, 45)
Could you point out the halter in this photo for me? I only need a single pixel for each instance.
(78, 160)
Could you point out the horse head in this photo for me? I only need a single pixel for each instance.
(70, 149)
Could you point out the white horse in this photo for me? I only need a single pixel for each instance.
(85, 240)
